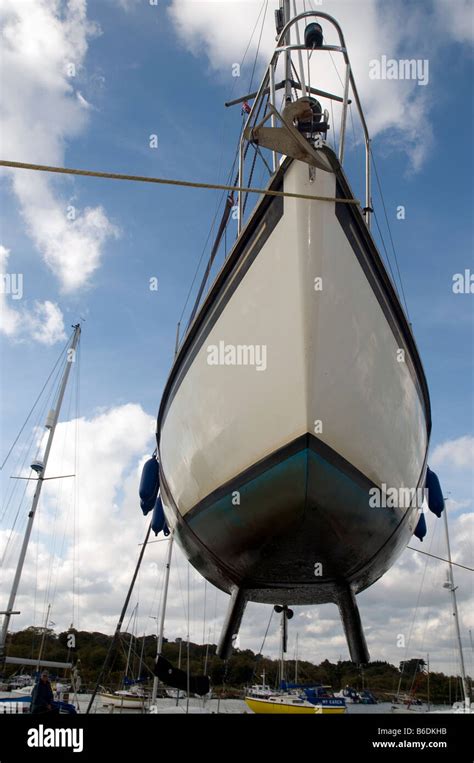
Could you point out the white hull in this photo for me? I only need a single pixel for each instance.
(336, 386)
(125, 702)
(331, 357)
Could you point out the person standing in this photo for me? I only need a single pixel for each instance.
(42, 696)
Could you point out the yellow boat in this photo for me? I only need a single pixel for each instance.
(294, 704)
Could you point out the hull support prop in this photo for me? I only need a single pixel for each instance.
(235, 612)
(349, 611)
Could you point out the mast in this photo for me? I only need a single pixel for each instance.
(120, 621)
(129, 653)
(141, 657)
(159, 645)
(296, 659)
(41, 471)
(163, 613)
(282, 648)
(286, 614)
(428, 680)
(46, 621)
(452, 588)
(285, 6)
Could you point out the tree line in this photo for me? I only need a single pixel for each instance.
(88, 651)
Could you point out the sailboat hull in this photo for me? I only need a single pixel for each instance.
(292, 704)
(297, 391)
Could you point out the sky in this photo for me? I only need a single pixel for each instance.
(88, 85)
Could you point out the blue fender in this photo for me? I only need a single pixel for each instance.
(149, 484)
(435, 494)
(420, 529)
(158, 518)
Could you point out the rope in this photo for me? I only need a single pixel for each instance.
(455, 564)
(168, 181)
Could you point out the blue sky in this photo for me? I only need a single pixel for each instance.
(141, 75)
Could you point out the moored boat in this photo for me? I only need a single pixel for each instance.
(281, 704)
(126, 699)
(300, 699)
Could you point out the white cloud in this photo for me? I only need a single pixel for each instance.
(400, 109)
(130, 5)
(46, 323)
(41, 112)
(457, 453)
(43, 323)
(456, 18)
(110, 525)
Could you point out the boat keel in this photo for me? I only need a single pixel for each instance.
(235, 612)
(349, 611)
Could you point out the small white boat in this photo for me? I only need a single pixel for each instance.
(24, 691)
(126, 699)
(175, 693)
(21, 681)
(260, 691)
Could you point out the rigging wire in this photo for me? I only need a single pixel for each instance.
(390, 233)
(222, 196)
(379, 185)
(258, 44)
(426, 620)
(333, 129)
(415, 614)
(41, 415)
(260, 657)
(34, 404)
(387, 257)
(242, 61)
(441, 559)
(59, 496)
(204, 613)
(76, 527)
(50, 593)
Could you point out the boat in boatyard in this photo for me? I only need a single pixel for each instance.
(128, 699)
(293, 697)
(281, 704)
(354, 697)
(259, 691)
(299, 698)
(310, 386)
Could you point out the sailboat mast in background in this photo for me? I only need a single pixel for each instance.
(40, 468)
(452, 589)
